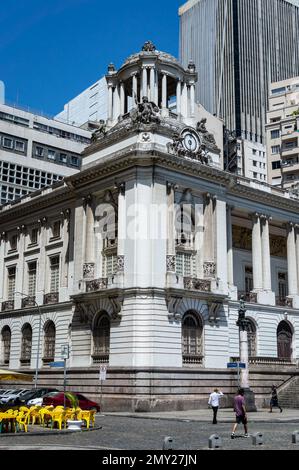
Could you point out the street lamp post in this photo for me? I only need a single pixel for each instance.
(243, 324)
(39, 336)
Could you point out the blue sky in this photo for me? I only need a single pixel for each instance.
(51, 50)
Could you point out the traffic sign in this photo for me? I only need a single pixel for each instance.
(56, 364)
(65, 351)
(235, 365)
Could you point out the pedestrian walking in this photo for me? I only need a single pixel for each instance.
(214, 403)
(274, 399)
(241, 415)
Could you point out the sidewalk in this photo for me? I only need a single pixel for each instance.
(224, 415)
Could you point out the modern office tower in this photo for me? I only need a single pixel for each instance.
(239, 48)
(36, 151)
(88, 106)
(2, 92)
(283, 133)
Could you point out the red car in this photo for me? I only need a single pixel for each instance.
(57, 399)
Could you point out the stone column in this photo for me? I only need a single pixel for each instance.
(122, 98)
(257, 253)
(156, 87)
(164, 91)
(184, 103)
(21, 267)
(292, 264)
(65, 216)
(41, 284)
(144, 82)
(121, 229)
(266, 258)
(2, 255)
(170, 228)
(116, 101)
(192, 99)
(110, 102)
(178, 97)
(244, 383)
(230, 259)
(89, 241)
(134, 89)
(152, 84)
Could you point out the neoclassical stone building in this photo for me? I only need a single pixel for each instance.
(138, 261)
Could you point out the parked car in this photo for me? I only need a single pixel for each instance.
(6, 393)
(35, 393)
(12, 396)
(57, 399)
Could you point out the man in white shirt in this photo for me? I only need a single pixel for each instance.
(214, 403)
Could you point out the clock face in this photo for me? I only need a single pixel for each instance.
(191, 141)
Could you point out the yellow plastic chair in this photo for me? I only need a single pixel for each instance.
(45, 416)
(58, 417)
(22, 421)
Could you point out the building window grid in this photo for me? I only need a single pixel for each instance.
(109, 264)
(11, 286)
(32, 268)
(185, 264)
(54, 274)
(6, 343)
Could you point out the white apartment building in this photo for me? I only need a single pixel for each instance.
(88, 106)
(36, 151)
(252, 160)
(283, 133)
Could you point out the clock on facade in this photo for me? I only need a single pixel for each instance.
(191, 140)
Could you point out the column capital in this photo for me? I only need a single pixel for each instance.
(21, 229)
(266, 218)
(171, 187)
(121, 187)
(43, 221)
(86, 200)
(3, 236)
(255, 216)
(290, 226)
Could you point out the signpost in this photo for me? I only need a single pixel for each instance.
(238, 366)
(65, 354)
(102, 377)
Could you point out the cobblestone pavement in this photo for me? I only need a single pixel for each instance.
(126, 433)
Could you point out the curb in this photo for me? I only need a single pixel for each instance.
(191, 420)
(47, 433)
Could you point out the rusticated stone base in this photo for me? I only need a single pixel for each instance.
(146, 390)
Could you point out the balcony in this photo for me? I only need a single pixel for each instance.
(100, 358)
(97, 285)
(193, 359)
(277, 361)
(8, 305)
(197, 284)
(51, 298)
(28, 302)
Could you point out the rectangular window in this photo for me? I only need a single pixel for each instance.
(11, 287)
(248, 279)
(20, 146)
(276, 165)
(277, 91)
(275, 134)
(56, 229)
(51, 154)
(7, 143)
(74, 160)
(254, 162)
(54, 274)
(275, 149)
(32, 279)
(282, 286)
(110, 265)
(62, 158)
(185, 264)
(34, 236)
(39, 151)
(14, 243)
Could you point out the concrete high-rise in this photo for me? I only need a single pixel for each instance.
(239, 48)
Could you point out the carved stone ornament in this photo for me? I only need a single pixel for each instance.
(289, 302)
(120, 263)
(201, 128)
(146, 112)
(116, 303)
(96, 285)
(214, 311)
(88, 270)
(173, 305)
(170, 263)
(197, 284)
(209, 269)
(100, 132)
(148, 47)
(178, 148)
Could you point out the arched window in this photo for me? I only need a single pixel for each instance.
(284, 341)
(6, 342)
(101, 339)
(251, 332)
(26, 344)
(49, 342)
(192, 345)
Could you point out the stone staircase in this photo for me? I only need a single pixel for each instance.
(288, 393)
